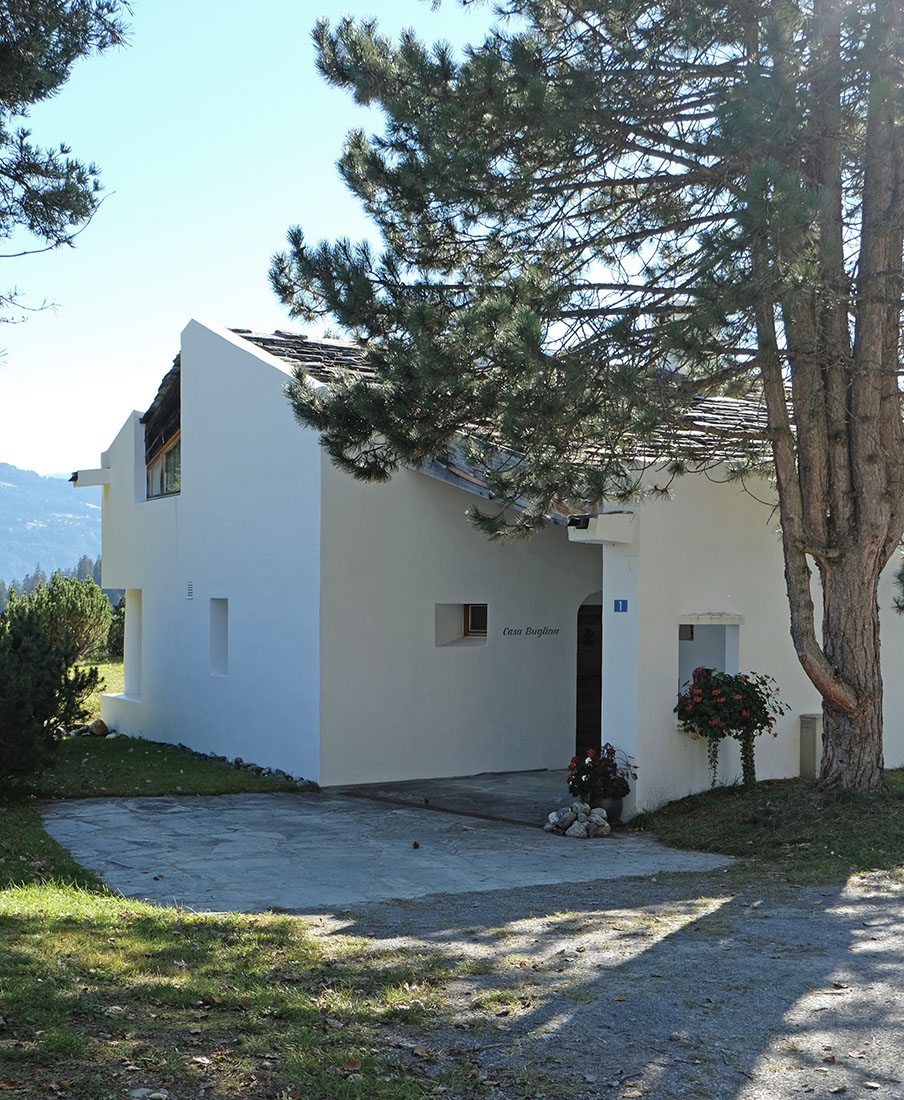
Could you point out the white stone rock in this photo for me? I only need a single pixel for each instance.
(578, 830)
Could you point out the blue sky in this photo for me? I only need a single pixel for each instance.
(214, 133)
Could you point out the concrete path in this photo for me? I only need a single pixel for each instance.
(314, 851)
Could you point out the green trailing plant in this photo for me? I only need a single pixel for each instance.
(718, 705)
(604, 774)
(40, 692)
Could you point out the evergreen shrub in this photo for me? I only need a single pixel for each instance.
(40, 691)
(116, 635)
(76, 615)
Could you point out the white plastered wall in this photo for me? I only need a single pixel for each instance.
(710, 554)
(891, 626)
(245, 529)
(248, 528)
(394, 704)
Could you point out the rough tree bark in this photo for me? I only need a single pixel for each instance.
(840, 470)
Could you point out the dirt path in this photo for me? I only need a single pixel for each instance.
(668, 987)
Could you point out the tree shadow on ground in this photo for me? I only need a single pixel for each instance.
(674, 987)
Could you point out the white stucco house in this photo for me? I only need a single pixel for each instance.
(280, 611)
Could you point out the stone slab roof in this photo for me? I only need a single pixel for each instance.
(324, 360)
(713, 429)
(726, 428)
(721, 429)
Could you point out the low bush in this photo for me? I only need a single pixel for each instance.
(39, 689)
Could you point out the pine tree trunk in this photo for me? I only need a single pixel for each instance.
(852, 739)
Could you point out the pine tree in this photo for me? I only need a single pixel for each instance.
(75, 615)
(46, 191)
(35, 580)
(116, 635)
(85, 568)
(605, 209)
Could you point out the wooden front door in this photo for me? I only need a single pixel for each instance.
(590, 678)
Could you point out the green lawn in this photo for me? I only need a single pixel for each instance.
(111, 684)
(89, 767)
(100, 995)
(789, 827)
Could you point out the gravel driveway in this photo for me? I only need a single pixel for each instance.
(685, 980)
(667, 987)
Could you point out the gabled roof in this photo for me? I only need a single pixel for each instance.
(736, 425)
(711, 430)
(324, 360)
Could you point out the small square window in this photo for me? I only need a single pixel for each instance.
(475, 620)
(463, 624)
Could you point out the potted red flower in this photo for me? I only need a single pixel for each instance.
(601, 778)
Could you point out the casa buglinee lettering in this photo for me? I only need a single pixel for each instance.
(533, 631)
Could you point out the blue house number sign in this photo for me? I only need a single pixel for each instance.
(621, 605)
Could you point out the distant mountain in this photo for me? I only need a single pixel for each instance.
(44, 520)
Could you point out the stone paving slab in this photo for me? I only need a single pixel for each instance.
(320, 851)
(525, 797)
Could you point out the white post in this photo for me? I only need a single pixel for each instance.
(620, 649)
